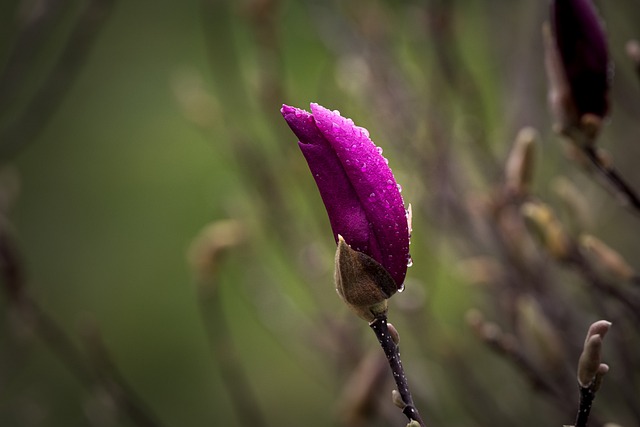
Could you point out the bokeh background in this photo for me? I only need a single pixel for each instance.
(128, 127)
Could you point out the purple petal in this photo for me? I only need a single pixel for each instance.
(361, 195)
(583, 51)
(346, 214)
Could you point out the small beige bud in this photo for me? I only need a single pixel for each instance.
(397, 399)
(214, 239)
(395, 336)
(607, 258)
(413, 423)
(521, 161)
(633, 51)
(362, 283)
(590, 368)
(548, 226)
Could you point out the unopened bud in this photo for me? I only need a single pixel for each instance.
(362, 283)
(590, 368)
(397, 399)
(607, 258)
(589, 361)
(395, 336)
(211, 242)
(413, 423)
(521, 161)
(633, 52)
(549, 228)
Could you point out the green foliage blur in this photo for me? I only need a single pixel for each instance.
(170, 122)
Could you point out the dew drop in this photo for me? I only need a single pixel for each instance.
(409, 261)
(399, 187)
(379, 150)
(372, 195)
(363, 167)
(354, 146)
(365, 132)
(336, 112)
(386, 161)
(348, 162)
(401, 289)
(389, 184)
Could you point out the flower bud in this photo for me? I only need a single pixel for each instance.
(359, 191)
(362, 283)
(577, 62)
(520, 163)
(607, 258)
(590, 370)
(550, 229)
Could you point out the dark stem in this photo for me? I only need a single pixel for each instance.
(587, 394)
(391, 350)
(619, 184)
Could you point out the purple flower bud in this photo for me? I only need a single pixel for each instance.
(582, 50)
(357, 186)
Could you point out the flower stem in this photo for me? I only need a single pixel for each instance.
(615, 179)
(391, 350)
(587, 394)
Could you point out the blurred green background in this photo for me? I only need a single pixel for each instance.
(172, 122)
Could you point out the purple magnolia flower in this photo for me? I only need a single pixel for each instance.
(582, 50)
(357, 186)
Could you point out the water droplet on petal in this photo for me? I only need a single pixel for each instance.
(386, 161)
(409, 261)
(372, 196)
(354, 146)
(389, 184)
(348, 162)
(399, 187)
(401, 288)
(379, 150)
(365, 132)
(363, 167)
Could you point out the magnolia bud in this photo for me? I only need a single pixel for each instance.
(590, 370)
(607, 258)
(397, 399)
(520, 163)
(548, 226)
(362, 283)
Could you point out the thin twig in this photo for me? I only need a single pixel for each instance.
(616, 180)
(391, 350)
(587, 394)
